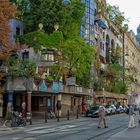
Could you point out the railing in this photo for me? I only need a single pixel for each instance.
(3, 68)
(75, 89)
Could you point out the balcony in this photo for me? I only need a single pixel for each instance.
(75, 90)
(3, 69)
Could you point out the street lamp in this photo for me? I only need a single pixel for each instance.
(56, 26)
(40, 25)
(110, 55)
(66, 2)
(123, 41)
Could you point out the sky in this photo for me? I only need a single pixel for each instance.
(131, 9)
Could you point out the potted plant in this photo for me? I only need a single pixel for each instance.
(49, 79)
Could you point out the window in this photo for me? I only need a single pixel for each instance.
(133, 55)
(71, 103)
(74, 102)
(25, 55)
(17, 31)
(103, 35)
(138, 61)
(47, 56)
(41, 101)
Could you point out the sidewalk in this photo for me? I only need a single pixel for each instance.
(54, 122)
(127, 134)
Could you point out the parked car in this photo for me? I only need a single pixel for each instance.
(91, 111)
(111, 109)
(95, 111)
(119, 109)
(125, 107)
(136, 108)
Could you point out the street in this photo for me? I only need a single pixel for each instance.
(78, 129)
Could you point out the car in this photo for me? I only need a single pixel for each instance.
(125, 107)
(136, 108)
(119, 109)
(90, 111)
(111, 109)
(95, 111)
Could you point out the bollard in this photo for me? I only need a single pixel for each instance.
(58, 117)
(46, 115)
(30, 118)
(30, 121)
(68, 115)
(77, 114)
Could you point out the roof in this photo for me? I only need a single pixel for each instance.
(110, 95)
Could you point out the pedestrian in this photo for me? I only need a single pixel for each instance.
(131, 117)
(102, 117)
(8, 117)
(23, 110)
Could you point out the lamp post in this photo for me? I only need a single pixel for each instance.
(123, 59)
(56, 26)
(66, 2)
(123, 41)
(110, 55)
(40, 25)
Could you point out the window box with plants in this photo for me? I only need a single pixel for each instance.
(49, 79)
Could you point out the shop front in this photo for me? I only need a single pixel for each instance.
(41, 97)
(102, 97)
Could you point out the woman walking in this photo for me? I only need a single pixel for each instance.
(8, 117)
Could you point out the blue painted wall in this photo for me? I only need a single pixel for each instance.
(13, 25)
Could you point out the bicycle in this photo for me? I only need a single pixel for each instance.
(51, 115)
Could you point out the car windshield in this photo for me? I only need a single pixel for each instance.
(107, 106)
(117, 106)
(95, 108)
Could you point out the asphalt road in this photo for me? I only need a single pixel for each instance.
(77, 130)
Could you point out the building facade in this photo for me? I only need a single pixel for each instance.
(138, 36)
(132, 62)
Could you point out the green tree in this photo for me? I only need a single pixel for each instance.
(116, 54)
(76, 55)
(116, 15)
(50, 12)
(17, 68)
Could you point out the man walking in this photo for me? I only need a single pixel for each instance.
(102, 116)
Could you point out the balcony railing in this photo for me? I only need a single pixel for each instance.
(3, 69)
(75, 89)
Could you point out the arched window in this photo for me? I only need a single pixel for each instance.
(112, 45)
(107, 48)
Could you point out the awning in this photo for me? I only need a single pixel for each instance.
(101, 23)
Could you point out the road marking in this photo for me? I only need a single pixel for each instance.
(46, 130)
(23, 138)
(59, 129)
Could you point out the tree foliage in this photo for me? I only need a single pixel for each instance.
(76, 55)
(8, 11)
(116, 15)
(17, 68)
(50, 12)
(116, 54)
